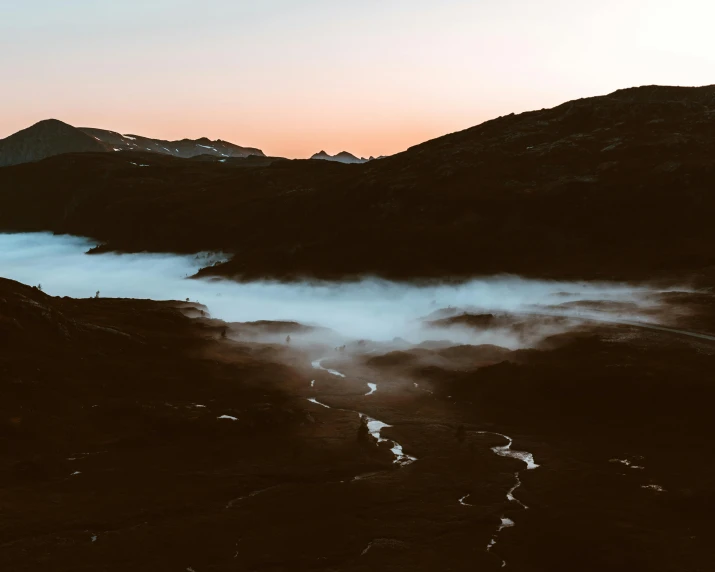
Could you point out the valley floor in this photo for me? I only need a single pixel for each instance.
(140, 435)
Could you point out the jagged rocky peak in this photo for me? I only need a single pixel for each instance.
(342, 157)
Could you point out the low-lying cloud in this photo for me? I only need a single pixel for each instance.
(367, 309)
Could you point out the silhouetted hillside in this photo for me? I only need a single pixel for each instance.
(617, 186)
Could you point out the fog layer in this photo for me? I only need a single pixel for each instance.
(370, 308)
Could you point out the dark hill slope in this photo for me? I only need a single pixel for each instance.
(46, 139)
(618, 186)
(112, 409)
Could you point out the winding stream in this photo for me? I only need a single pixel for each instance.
(317, 365)
(373, 425)
(402, 459)
(523, 456)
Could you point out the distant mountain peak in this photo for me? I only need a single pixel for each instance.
(184, 148)
(47, 124)
(51, 122)
(44, 139)
(54, 137)
(342, 157)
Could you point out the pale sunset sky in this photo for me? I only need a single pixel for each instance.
(372, 77)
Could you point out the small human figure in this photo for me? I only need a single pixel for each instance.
(97, 294)
(288, 339)
(363, 433)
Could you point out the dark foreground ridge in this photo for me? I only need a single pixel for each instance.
(618, 186)
(141, 435)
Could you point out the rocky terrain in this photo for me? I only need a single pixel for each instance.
(146, 435)
(617, 186)
(142, 435)
(126, 424)
(51, 137)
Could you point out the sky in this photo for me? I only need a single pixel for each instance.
(294, 77)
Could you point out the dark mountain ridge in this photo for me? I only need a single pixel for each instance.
(185, 148)
(53, 137)
(609, 187)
